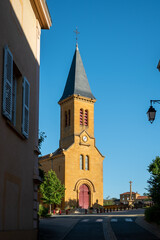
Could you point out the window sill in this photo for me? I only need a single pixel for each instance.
(15, 130)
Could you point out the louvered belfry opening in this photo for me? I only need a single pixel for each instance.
(86, 118)
(81, 116)
(65, 119)
(69, 117)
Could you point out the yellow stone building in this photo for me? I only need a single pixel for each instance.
(77, 162)
(21, 24)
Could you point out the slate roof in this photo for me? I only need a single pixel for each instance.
(77, 82)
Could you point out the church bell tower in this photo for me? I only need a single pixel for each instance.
(77, 162)
(77, 104)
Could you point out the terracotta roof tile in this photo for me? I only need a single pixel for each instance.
(127, 193)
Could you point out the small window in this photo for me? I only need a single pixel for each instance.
(81, 162)
(87, 163)
(86, 118)
(69, 117)
(81, 116)
(65, 118)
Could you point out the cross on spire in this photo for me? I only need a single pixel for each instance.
(76, 32)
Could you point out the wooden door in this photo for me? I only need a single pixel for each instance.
(84, 196)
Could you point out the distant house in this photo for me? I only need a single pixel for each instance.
(21, 22)
(125, 197)
(144, 200)
(136, 198)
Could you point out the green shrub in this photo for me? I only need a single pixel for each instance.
(43, 211)
(152, 214)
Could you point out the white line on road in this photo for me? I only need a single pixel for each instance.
(85, 220)
(128, 220)
(114, 220)
(99, 220)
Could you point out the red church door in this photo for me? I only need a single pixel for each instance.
(84, 196)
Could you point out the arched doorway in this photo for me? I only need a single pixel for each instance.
(84, 196)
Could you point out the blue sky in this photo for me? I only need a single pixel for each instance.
(119, 43)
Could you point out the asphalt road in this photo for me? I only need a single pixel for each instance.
(87, 228)
(126, 228)
(110, 226)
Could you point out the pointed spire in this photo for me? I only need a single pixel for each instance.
(77, 46)
(77, 82)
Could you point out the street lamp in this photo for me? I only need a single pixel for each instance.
(151, 111)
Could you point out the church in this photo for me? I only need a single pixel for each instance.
(77, 162)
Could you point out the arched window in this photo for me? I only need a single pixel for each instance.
(81, 162)
(81, 116)
(69, 117)
(86, 118)
(65, 119)
(87, 163)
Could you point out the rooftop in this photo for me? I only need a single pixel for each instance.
(77, 82)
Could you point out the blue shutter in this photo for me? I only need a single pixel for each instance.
(7, 83)
(25, 110)
(14, 99)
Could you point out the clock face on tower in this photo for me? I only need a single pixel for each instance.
(85, 138)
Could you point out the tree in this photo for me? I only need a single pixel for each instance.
(154, 181)
(109, 201)
(41, 138)
(145, 194)
(52, 189)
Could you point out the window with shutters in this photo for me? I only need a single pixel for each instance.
(86, 118)
(81, 116)
(14, 99)
(25, 107)
(15, 95)
(81, 162)
(87, 163)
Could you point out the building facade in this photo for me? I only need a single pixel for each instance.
(20, 25)
(125, 197)
(77, 162)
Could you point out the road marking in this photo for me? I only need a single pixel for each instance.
(128, 220)
(85, 220)
(99, 220)
(114, 220)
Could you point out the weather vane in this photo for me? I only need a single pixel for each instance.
(76, 32)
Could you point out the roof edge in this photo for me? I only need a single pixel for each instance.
(78, 97)
(42, 13)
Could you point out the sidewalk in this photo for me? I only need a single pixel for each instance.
(151, 227)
